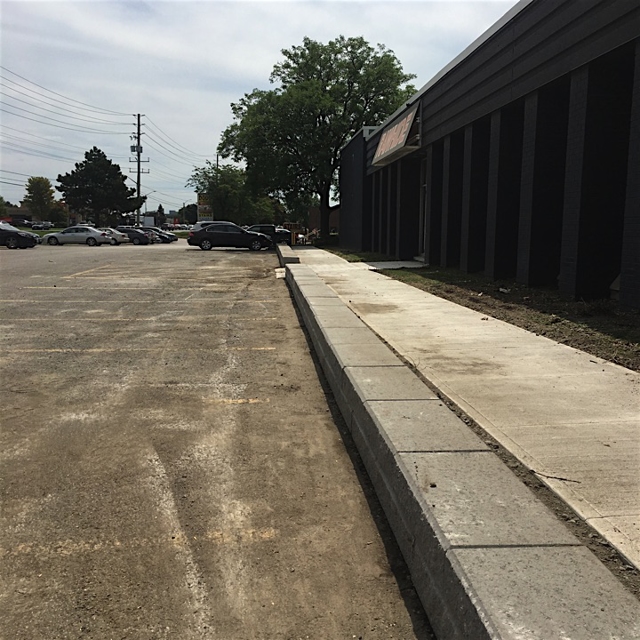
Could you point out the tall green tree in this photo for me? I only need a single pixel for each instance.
(290, 138)
(227, 191)
(39, 199)
(96, 187)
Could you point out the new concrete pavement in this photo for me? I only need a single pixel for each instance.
(488, 558)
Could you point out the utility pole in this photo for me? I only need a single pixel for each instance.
(137, 149)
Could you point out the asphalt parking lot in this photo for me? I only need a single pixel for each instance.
(172, 465)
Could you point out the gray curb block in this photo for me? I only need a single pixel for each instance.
(286, 255)
(487, 559)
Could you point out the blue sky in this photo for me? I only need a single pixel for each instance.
(75, 73)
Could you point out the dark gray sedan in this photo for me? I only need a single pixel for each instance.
(227, 234)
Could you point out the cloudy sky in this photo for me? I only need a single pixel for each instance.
(75, 73)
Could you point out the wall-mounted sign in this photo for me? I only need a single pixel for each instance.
(394, 138)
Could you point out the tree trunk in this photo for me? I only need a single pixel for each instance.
(325, 211)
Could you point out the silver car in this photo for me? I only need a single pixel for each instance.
(115, 237)
(81, 234)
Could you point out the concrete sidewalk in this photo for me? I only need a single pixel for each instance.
(471, 530)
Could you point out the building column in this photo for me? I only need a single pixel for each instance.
(428, 212)
(465, 230)
(375, 210)
(576, 134)
(527, 185)
(446, 181)
(492, 196)
(630, 273)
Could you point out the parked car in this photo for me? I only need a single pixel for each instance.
(14, 238)
(43, 226)
(277, 234)
(137, 236)
(115, 237)
(227, 234)
(154, 236)
(165, 236)
(80, 234)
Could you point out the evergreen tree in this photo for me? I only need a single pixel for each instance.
(96, 188)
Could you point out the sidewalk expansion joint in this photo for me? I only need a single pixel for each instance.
(549, 545)
(445, 451)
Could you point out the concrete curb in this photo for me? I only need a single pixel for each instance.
(487, 559)
(286, 255)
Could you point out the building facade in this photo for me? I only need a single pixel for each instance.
(520, 159)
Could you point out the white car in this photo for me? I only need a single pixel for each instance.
(116, 237)
(81, 234)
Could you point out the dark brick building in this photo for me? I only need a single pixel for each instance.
(520, 159)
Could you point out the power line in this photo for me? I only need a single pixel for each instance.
(33, 135)
(170, 158)
(28, 175)
(81, 130)
(180, 156)
(10, 137)
(161, 133)
(98, 109)
(99, 121)
(33, 152)
(38, 97)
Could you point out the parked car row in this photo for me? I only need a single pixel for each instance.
(205, 235)
(46, 225)
(15, 238)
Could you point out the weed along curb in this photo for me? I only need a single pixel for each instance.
(487, 559)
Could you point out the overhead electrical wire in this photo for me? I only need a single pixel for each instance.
(168, 176)
(44, 100)
(161, 133)
(70, 114)
(56, 142)
(97, 121)
(28, 175)
(155, 161)
(84, 104)
(11, 138)
(35, 152)
(180, 156)
(170, 158)
(168, 200)
(80, 130)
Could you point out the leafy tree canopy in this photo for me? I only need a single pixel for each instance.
(96, 187)
(4, 204)
(39, 199)
(231, 197)
(188, 214)
(290, 137)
